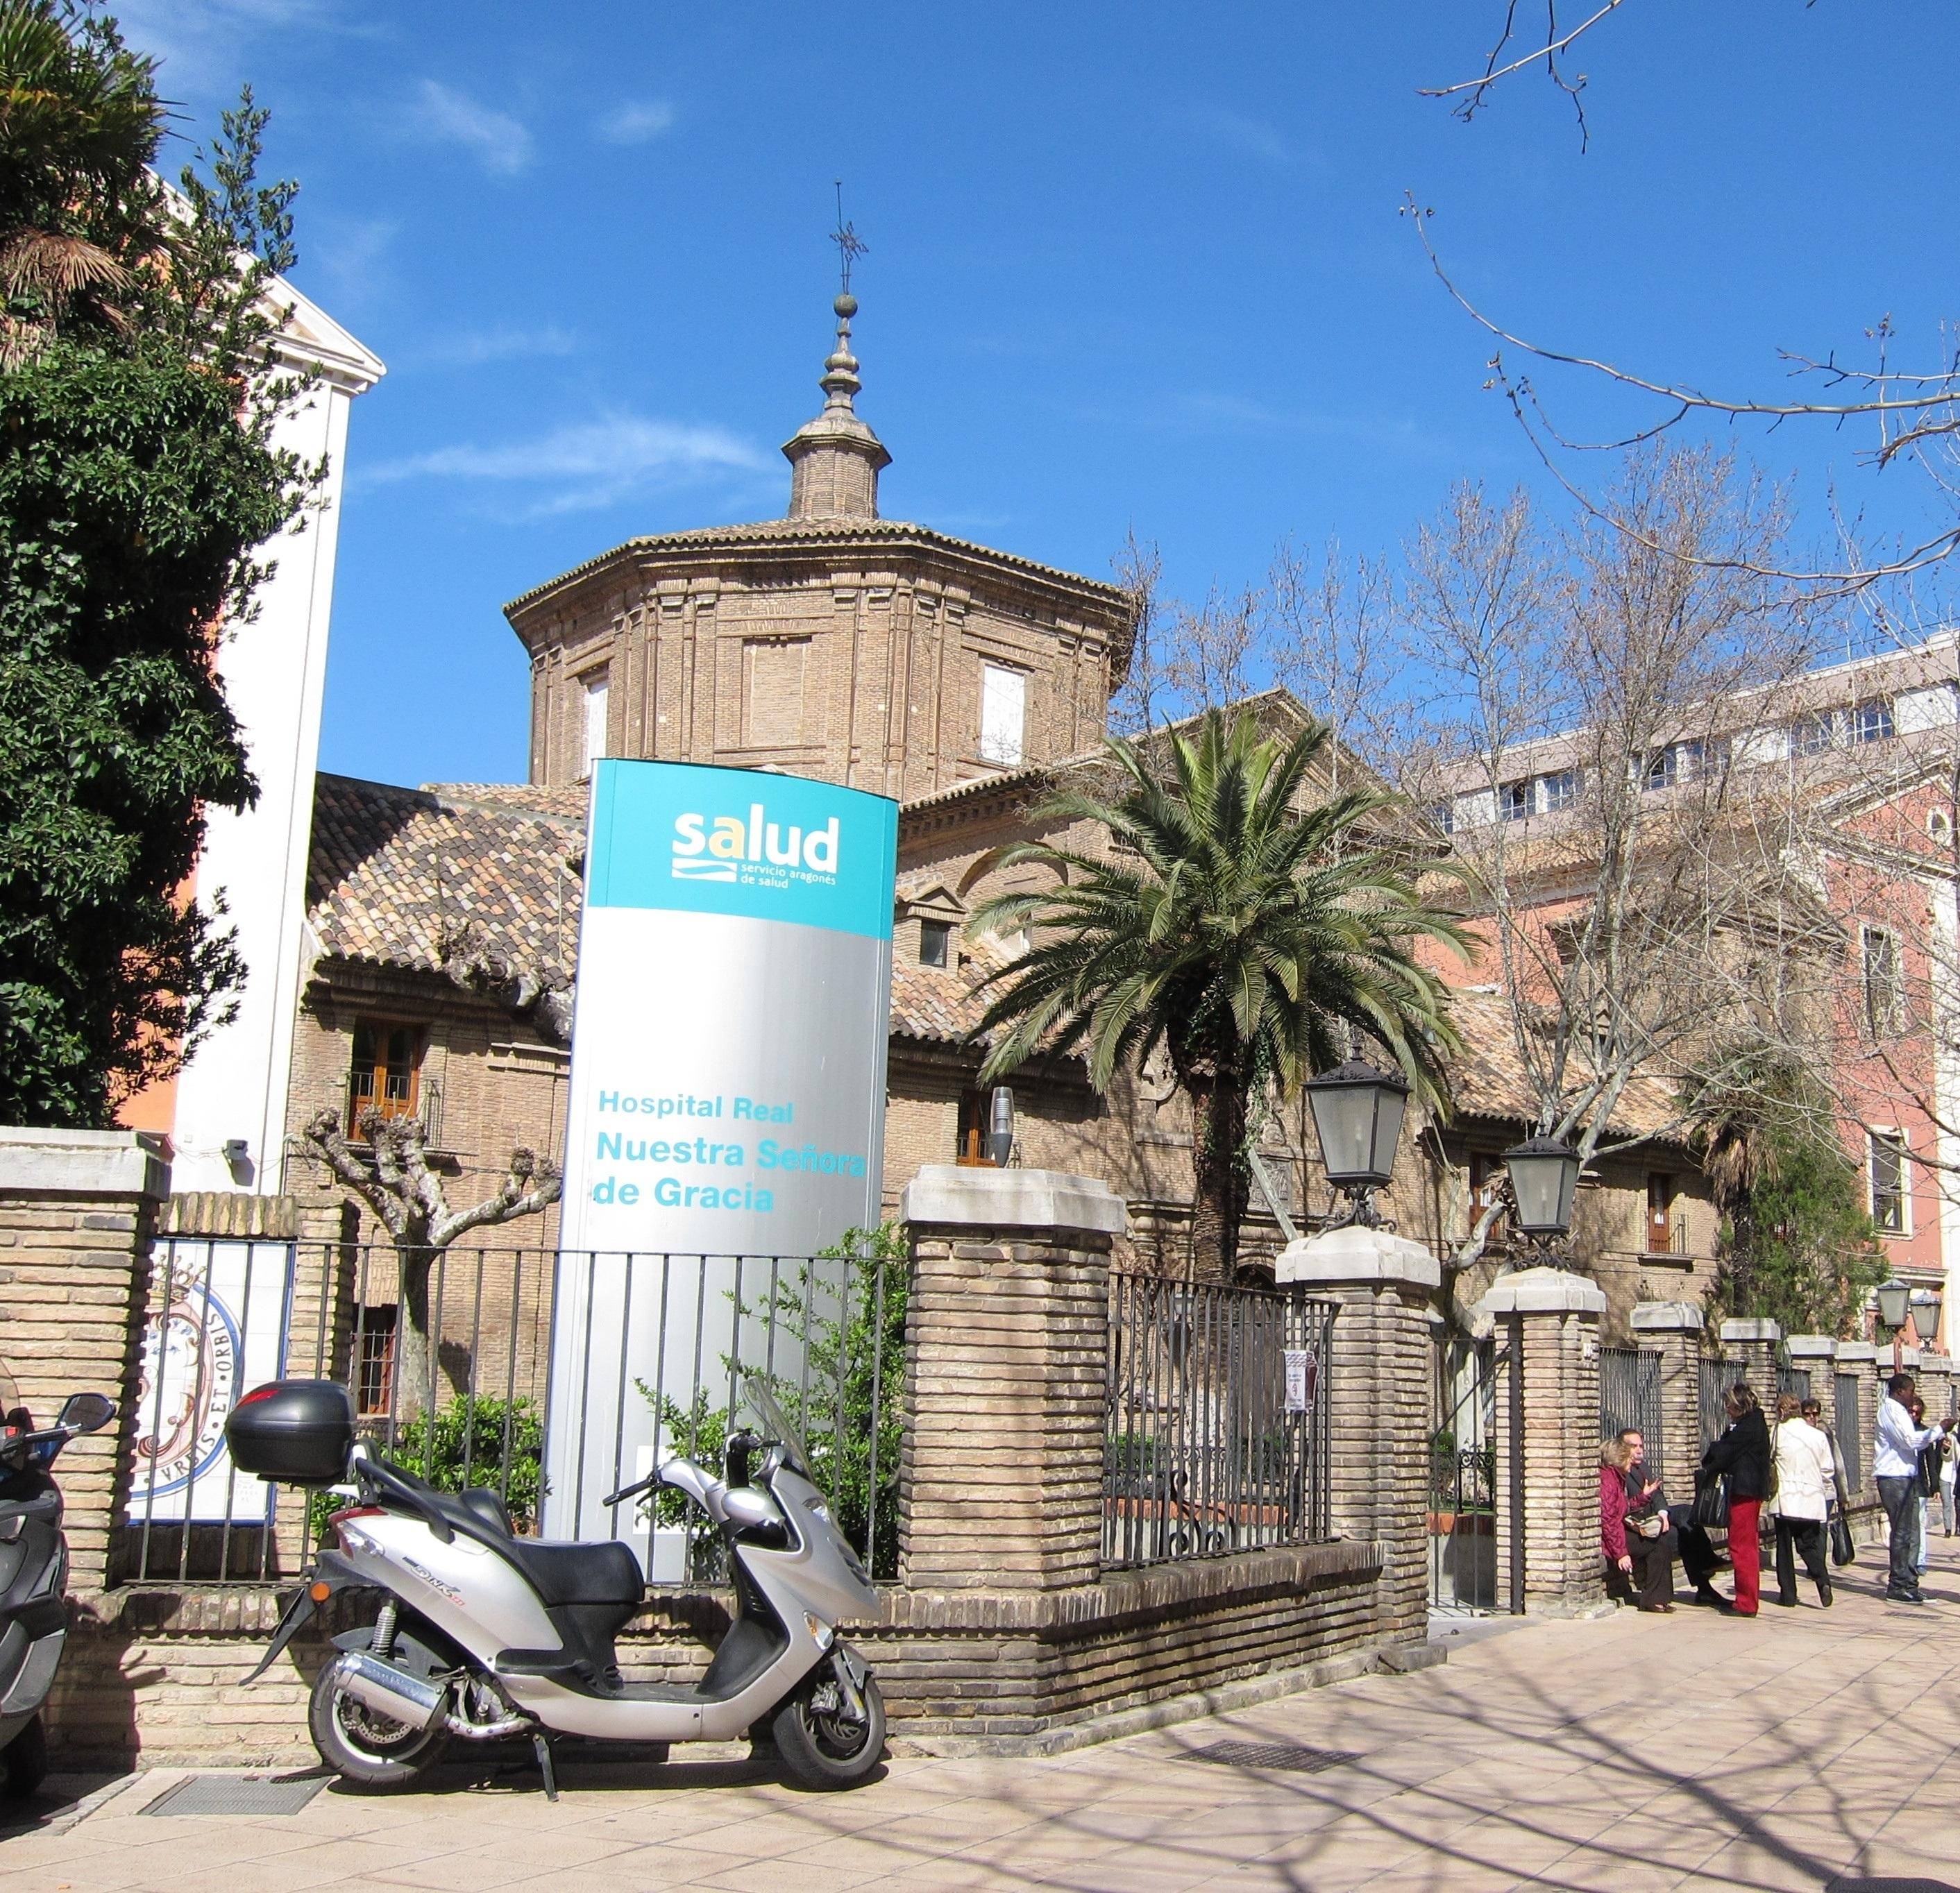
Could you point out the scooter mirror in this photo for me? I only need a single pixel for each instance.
(87, 1412)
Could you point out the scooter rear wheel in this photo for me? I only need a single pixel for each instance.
(820, 1746)
(361, 1746)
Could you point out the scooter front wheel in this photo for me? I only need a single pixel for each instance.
(23, 1762)
(362, 1746)
(821, 1745)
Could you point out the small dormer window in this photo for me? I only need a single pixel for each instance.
(935, 941)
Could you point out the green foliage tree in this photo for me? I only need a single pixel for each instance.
(1255, 940)
(848, 1328)
(138, 477)
(1798, 1245)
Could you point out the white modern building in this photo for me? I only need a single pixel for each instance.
(226, 1112)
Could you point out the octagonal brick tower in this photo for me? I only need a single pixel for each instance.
(830, 642)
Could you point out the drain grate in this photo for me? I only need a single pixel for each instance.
(238, 1794)
(1288, 1756)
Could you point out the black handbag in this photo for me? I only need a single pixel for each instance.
(1711, 1502)
(1842, 1551)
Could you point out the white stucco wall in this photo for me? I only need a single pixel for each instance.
(274, 669)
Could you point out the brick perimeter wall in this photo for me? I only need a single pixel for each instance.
(155, 1675)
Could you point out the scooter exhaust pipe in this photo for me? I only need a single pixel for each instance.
(389, 1692)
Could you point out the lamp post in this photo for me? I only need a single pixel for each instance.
(1544, 1173)
(1893, 1300)
(1000, 1126)
(1357, 1116)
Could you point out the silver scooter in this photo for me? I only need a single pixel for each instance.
(483, 1635)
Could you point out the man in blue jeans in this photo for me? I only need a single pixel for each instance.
(1895, 1466)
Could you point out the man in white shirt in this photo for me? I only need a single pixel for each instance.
(1895, 1466)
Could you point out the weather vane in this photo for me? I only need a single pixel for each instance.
(849, 247)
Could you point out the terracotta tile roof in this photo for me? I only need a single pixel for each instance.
(939, 1004)
(423, 878)
(1490, 1080)
(567, 803)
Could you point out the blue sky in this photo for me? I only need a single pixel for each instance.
(1132, 266)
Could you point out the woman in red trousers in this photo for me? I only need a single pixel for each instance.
(1743, 1452)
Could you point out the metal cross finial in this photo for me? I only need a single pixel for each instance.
(849, 248)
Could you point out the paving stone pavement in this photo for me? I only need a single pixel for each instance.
(1808, 1749)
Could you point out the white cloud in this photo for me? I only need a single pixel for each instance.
(636, 124)
(588, 465)
(1249, 137)
(472, 348)
(198, 43)
(443, 115)
(350, 255)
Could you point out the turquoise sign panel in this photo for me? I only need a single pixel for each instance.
(682, 838)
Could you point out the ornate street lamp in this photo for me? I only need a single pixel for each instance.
(1925, 1306)
(1544, 1175)
(1358, 1115)
(1892, 1300)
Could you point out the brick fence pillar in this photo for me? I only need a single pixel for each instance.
(1672, 1330)
(1861, 1358)
(1936, 1384)
(1547, 1321)
(1816, 1356)
(1378, 1404)
(1007, 1349)
(77, 1209)
(1749, 1353)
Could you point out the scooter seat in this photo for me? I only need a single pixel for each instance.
(607, 1572)
(475, 1505)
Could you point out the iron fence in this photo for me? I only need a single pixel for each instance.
(1794, 1380)
(1717, 1377)
(1850, 1444)
(550, 1377)
(1463, 1477)
(1629, 1398)
(1217, 1433)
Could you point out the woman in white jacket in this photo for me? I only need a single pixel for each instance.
(1804, 1478)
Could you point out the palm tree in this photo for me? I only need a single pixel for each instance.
(80, 123)
(1254, 940)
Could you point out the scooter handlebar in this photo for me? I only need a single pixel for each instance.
(701, 1485)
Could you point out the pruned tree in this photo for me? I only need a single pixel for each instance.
(392, 1177)
(1631, 876)
(1913, 414)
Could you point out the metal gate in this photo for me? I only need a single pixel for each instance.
(1463, 1479)
(1630, 1397)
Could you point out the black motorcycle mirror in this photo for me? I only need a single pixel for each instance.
(737, 1467)
(87, 1412)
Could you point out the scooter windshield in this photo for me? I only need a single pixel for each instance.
(776, 1426)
